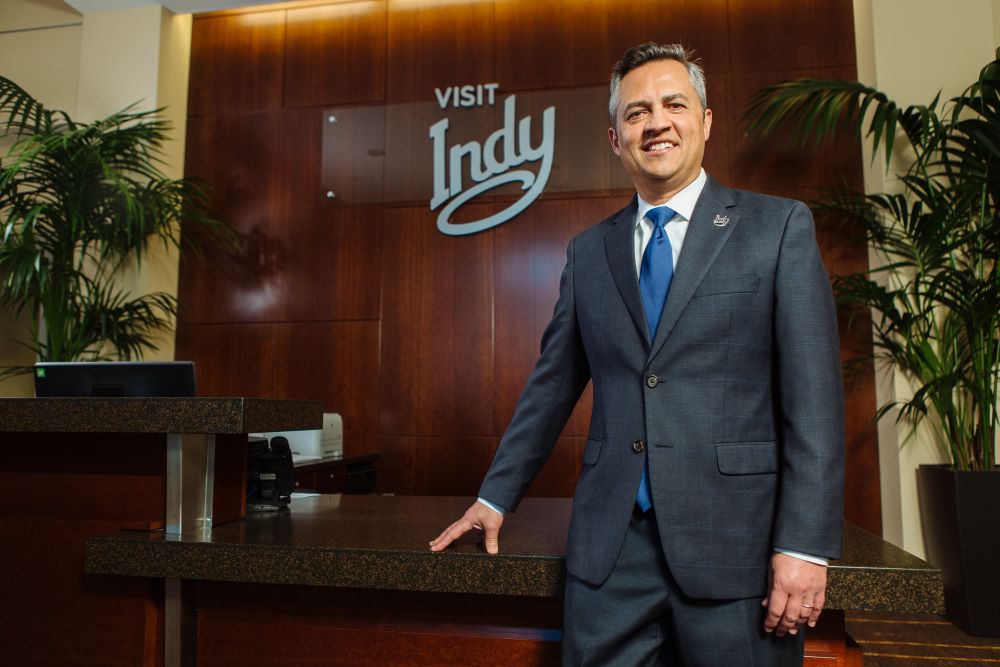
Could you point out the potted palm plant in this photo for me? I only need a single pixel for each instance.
(78, 202)
(935, 298)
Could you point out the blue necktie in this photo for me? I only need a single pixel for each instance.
(655, 274)
(657, 268)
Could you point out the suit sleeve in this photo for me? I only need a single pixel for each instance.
(809, 396)
(553, 389)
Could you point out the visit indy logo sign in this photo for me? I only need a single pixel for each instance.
(464, 171)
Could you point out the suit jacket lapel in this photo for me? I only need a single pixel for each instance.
(619, 244)
(702, 243)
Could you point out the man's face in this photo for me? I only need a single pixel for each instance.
(660, 129)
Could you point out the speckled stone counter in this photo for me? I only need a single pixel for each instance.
(380, 542)
(158, 415)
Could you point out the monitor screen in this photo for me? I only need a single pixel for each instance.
(114, 378)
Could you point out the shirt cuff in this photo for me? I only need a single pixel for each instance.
(818, 560)
(495, 508)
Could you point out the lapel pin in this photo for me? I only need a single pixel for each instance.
(721, 220)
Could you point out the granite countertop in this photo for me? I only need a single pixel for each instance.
(380, 542)
(158, 415)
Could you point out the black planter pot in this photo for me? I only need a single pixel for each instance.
(960, 514)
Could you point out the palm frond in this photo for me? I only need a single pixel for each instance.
(816, 108)
(78, 201)
(20, 113)
(934, 292)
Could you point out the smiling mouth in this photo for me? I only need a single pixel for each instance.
(657, 147)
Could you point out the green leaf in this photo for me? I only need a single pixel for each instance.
(78, 201)
(934, 292)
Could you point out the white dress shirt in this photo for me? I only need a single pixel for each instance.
(683, 205)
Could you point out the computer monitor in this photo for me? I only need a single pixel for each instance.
(114, 378)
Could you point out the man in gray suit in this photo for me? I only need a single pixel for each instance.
(713, 471)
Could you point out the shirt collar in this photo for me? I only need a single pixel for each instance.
(682, 203)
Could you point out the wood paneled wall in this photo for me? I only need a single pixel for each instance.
(423, 341)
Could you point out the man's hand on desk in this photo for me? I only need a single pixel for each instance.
(796, 593)
(480, 517)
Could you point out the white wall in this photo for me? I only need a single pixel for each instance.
(155, 74)
(40, 51)
(911, 50)
(91, 66)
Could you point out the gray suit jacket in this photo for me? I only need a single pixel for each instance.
(738, 400)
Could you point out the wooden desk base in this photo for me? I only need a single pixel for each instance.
(55, 490)
(275, 626)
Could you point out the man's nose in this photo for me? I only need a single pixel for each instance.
(659, 120)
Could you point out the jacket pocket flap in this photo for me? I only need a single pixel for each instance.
(750, 458)
(728, 285)
(592, 451)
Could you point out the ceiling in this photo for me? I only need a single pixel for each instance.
(176, 6)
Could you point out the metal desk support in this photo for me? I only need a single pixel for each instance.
(190, 481)
(190, 484)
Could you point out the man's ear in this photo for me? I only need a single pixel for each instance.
(613, 138)
(708, 123)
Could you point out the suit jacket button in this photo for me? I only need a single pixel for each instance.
(638, 446)
(652, 381)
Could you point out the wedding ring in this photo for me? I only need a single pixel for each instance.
(808, 606)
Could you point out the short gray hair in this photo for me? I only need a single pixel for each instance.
(650, 52)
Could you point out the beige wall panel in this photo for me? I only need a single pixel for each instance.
(895, 56)
(12, 354)
(45, 63)
(995, 7)
(76, 64)
(34, 14)
(153, 75)
(172, 84)
(160, 272)
(119, 61)
(912, 70)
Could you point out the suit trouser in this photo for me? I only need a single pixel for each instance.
(639, 616)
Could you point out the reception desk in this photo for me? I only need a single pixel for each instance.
(72, 468)
(349, 580)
